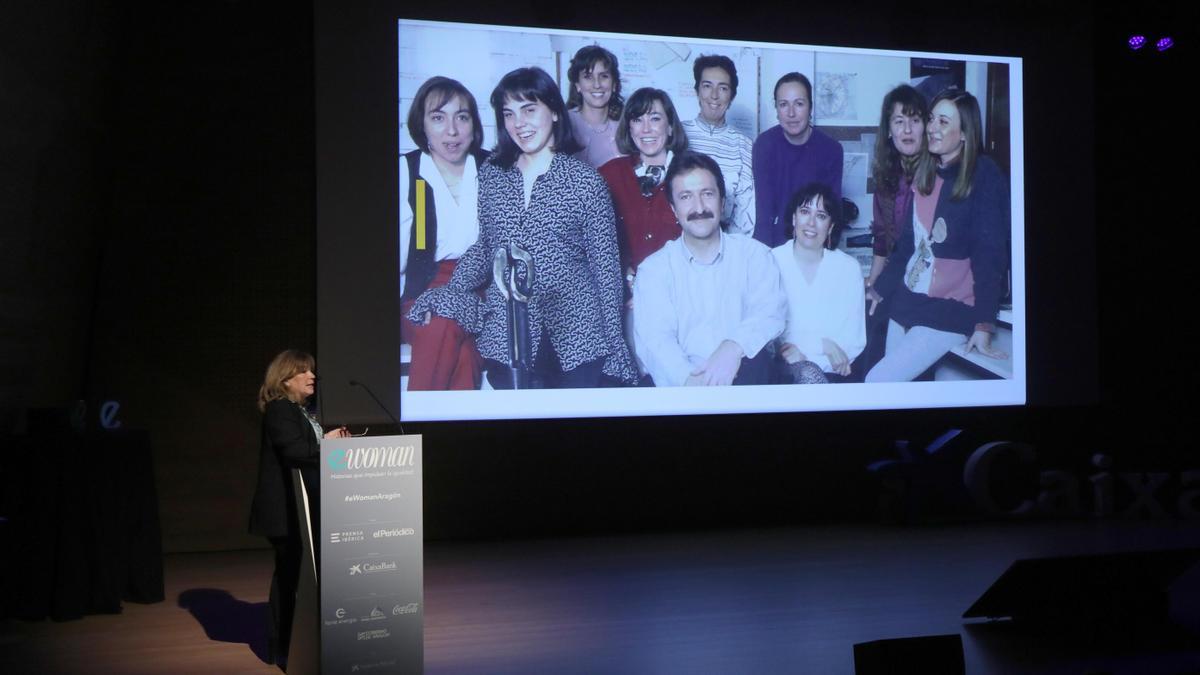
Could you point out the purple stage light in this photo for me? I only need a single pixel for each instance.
(1164, 44)
(1137, 41)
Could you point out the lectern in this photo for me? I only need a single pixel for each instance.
(364, 611)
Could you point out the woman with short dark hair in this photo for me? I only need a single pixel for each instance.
(826, 326)
(439, 220)
(790, 155)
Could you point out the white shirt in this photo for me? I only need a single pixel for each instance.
(457, 222)
(683, 309)
(733, 151)
(832, 306)
(918, 272)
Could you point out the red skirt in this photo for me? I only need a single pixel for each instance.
(443, 355)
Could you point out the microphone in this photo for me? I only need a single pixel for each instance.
(356, 383)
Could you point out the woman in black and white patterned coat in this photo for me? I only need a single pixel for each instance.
(534, 194)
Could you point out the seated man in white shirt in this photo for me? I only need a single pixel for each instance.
(706, 304)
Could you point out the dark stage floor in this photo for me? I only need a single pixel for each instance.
(762, 601)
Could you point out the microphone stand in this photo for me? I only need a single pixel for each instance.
(356, 383)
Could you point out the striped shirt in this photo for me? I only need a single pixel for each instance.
(733, 152)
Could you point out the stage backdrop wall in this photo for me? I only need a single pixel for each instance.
(209, 267)
(156, 191)
(156, 231)
(55, 64)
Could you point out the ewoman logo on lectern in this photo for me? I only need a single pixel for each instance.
(383, 457)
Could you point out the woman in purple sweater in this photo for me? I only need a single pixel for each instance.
(788, 156)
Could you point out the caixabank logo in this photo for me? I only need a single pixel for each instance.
(1059, 492)
(1012, 479)
(373, 568)
(372, 458)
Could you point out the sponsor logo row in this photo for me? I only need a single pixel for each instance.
(361, 535)
(341, 617)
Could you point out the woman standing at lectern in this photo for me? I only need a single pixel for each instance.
(290, 439)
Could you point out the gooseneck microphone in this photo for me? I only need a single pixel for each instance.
(384, 408)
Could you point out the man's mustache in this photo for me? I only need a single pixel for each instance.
(700, 216)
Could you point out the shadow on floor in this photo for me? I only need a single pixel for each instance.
(227, 619)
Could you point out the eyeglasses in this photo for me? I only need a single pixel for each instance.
(362, 433)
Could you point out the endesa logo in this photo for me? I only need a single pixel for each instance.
(340, 618)
(375, 457)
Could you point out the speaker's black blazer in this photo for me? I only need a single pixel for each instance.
(288, 441)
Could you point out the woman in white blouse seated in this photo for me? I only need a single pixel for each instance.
(826, 318)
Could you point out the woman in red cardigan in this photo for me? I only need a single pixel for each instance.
(650, 133)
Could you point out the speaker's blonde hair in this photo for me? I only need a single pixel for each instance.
(286, 365)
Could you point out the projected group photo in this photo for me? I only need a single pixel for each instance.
(601, 224)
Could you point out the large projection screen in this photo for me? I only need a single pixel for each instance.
(849, 84)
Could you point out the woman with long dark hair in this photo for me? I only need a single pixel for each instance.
(942, 284)
(535, 195)
(594, 103)
(900, 149)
